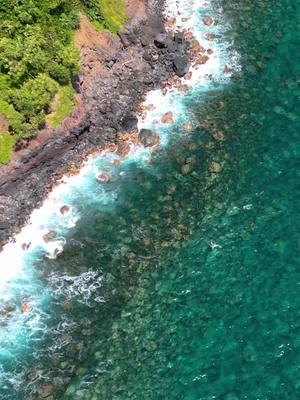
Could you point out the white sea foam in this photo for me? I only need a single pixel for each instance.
(46, 232)
(222, 55)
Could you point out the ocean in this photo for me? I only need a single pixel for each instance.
(179, 278)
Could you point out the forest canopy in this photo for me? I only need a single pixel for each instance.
(38, 58)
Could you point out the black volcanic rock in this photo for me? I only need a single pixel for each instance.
(161, 40)
(146, 137)
(180, 65)
(129, 123)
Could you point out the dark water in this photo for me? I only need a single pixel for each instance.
(199, 272)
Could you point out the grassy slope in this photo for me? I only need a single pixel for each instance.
(6, 144)
(61, 106)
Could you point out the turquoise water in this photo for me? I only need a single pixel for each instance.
(188, 288)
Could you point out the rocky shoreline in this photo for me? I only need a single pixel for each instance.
(117, 72)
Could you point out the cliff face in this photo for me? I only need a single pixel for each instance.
(117, 71)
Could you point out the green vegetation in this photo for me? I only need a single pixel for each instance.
(38, 59)
(109, 14)
(37, 55)
(61, 106)
(6, 144)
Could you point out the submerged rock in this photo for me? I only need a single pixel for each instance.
(103, 177)
(185, 168)
(208, 21)
(187, 126)
(148, 138)
(64, 209)
(26, 246)
(209, 36)
(218, 135)
(215, 167)
(116, 161)
(48, 236)
(227, 70)
(45, 390)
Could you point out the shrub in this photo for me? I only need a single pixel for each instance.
(59, 72)
(14, 118)
(35, 95)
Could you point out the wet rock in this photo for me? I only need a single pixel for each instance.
(148, 138)
(215, 167)
(183, 88)
(208, 77)
(64, 209)
(25, 308)
(167, 118)
(227, 70)
(123, 148)
(116, 161)
(200, 60)
(171, 22)
(180, 65)
(196, 47)
(48, 236)
(103, 177)
(208, 21)
(150, 107)
(26, 246)
(209, 36)
(188, 76)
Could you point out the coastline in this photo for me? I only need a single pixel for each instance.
(122, 76)
(104, 181)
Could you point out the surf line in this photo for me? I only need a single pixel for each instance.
(45, 233)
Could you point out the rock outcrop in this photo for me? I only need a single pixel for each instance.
(117, 71)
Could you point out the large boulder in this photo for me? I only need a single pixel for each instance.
(160, 40)
(180, 65)
(129, 123)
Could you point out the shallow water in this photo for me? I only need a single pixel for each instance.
(185, 286)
